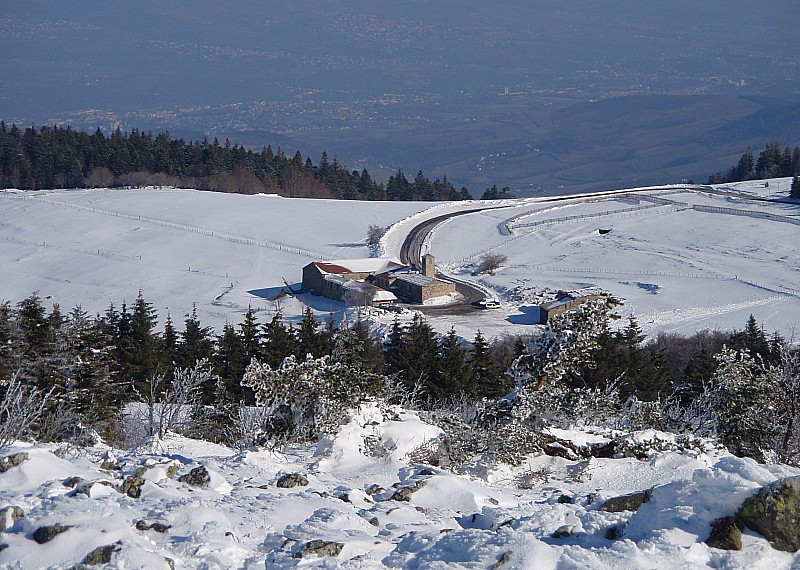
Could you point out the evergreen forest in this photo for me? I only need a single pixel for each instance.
(303, 377)
(60, 157)
(772, 162)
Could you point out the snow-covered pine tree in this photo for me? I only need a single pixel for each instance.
(740, 398)
(565, 346)
(305, 398)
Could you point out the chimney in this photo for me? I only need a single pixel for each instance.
(428, 265)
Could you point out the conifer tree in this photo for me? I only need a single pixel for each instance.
(250, 333)
(278, 341)
(453, 375)
(490, 383)
(141, 346)
(195, 343)
(229, 361)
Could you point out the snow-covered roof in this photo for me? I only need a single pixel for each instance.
(384, 295)
(377, 293)
(557, 303)
(363, 265)
(415, 279)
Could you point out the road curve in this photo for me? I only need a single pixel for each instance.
(411, 250)
(411, 254)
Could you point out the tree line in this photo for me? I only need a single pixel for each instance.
(772, 162)
(60, 157)
(93, 365)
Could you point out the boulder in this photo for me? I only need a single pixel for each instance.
(726, 534)
(564, 531)
(374, 489)
(404, 493)
(47, 533)
(73, 482)
(156, 526)
(319, 548)
(13, 460)
(292, 480)
(630, 502)
(506, 556)
(132, 486)
(774, 512)
(9, 516)
(197, 477)
(100, 555)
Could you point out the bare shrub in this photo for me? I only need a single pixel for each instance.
(100, 177)
(168, 408)
(490, 262)
(20, 408)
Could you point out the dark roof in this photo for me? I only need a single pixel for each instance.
(415, 279)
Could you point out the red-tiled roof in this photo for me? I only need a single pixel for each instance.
(331, 268)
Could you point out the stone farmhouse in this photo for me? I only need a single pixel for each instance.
(374, 281)
(562, 304)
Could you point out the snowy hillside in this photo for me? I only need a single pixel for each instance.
(373, 507)
(680, 263)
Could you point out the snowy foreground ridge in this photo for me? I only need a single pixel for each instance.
(368, 506)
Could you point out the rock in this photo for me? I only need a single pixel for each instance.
(503, 560)
(100, 555)
(292, 480)
(13, 460)
(374, 490)
(403, 493)
(172, 470)
(630, 502)
(170, 562)
(615, 532)
(86, 488)
(725, 534)
(73, 482)
(156, 526)
(3, 547)
(132, 486)
(565, 500)
(9, 516)
(47, 533)
(775, 513)
(197, 477)
(319, 548)
(507, 522)
(374, 521)
(426, 472)
(564, 531)
(110, 465)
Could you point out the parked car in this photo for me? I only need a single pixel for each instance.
(489, 304)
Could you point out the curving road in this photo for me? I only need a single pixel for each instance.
(411, 250)
(411, 254)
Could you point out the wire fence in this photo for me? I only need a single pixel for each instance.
(606, 271)
(748, 213)
(583, 216)
(182, 227)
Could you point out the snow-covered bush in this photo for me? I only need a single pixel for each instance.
(541, 395)
(741, 400)
(303, 399)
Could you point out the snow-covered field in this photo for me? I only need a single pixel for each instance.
(493, 518)
(678, 268)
